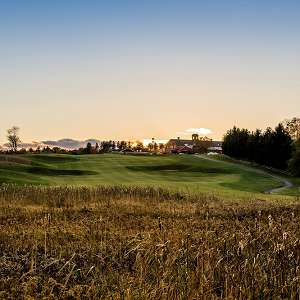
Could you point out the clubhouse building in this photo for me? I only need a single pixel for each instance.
(195, 145)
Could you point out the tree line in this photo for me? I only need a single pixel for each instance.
(278, 148)
(15, 146)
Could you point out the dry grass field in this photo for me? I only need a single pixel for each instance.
(145, 243)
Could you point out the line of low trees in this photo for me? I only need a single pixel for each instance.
(278, 148)
(124, 146)
(15, 146)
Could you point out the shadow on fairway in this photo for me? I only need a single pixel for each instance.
(54, 159)
(179, 168)
(59, 172)
(13, 159)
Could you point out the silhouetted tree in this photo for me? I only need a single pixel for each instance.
(253, 145)
(139, 146)
(150, 147)
(89, 148)
(161, 147)
(47, 149)
(281, 150)
(56, 150)
(271, 148)
(122, 145)
(294, 163)
(105, 146)
(265, 147)
(292, 126)
(13, 138)
(235, 143)
(22, 151)
(201, 144)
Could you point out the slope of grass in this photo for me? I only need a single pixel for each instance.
(143, 243)
(184, 172)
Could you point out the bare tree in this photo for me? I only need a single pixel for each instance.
(292, 126)
(13, 138)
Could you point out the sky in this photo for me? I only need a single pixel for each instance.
(134, 69)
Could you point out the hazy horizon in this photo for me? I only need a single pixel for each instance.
(141, 69)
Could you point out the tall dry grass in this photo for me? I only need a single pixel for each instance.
(145, 243)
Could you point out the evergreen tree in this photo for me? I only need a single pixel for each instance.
(235, 143)
(271, 148)
(265, 148)
(253, 145)
(281, 150)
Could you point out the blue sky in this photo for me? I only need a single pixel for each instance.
(81, 68)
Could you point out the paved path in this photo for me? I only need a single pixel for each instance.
(286, 183)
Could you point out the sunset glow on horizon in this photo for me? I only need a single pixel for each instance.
(142, 69)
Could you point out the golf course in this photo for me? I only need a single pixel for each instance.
(188, 173)
(115, 226)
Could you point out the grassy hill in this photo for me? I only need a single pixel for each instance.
(183, 172)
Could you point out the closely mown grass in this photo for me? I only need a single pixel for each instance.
(145, 243)
(178, 172)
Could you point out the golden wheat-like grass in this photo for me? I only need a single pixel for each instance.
(145, 243)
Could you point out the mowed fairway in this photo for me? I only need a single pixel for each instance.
(181, 172)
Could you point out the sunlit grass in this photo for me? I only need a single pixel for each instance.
(171, 171)
(145, 243)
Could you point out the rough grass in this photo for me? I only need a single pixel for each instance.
(145, 243)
